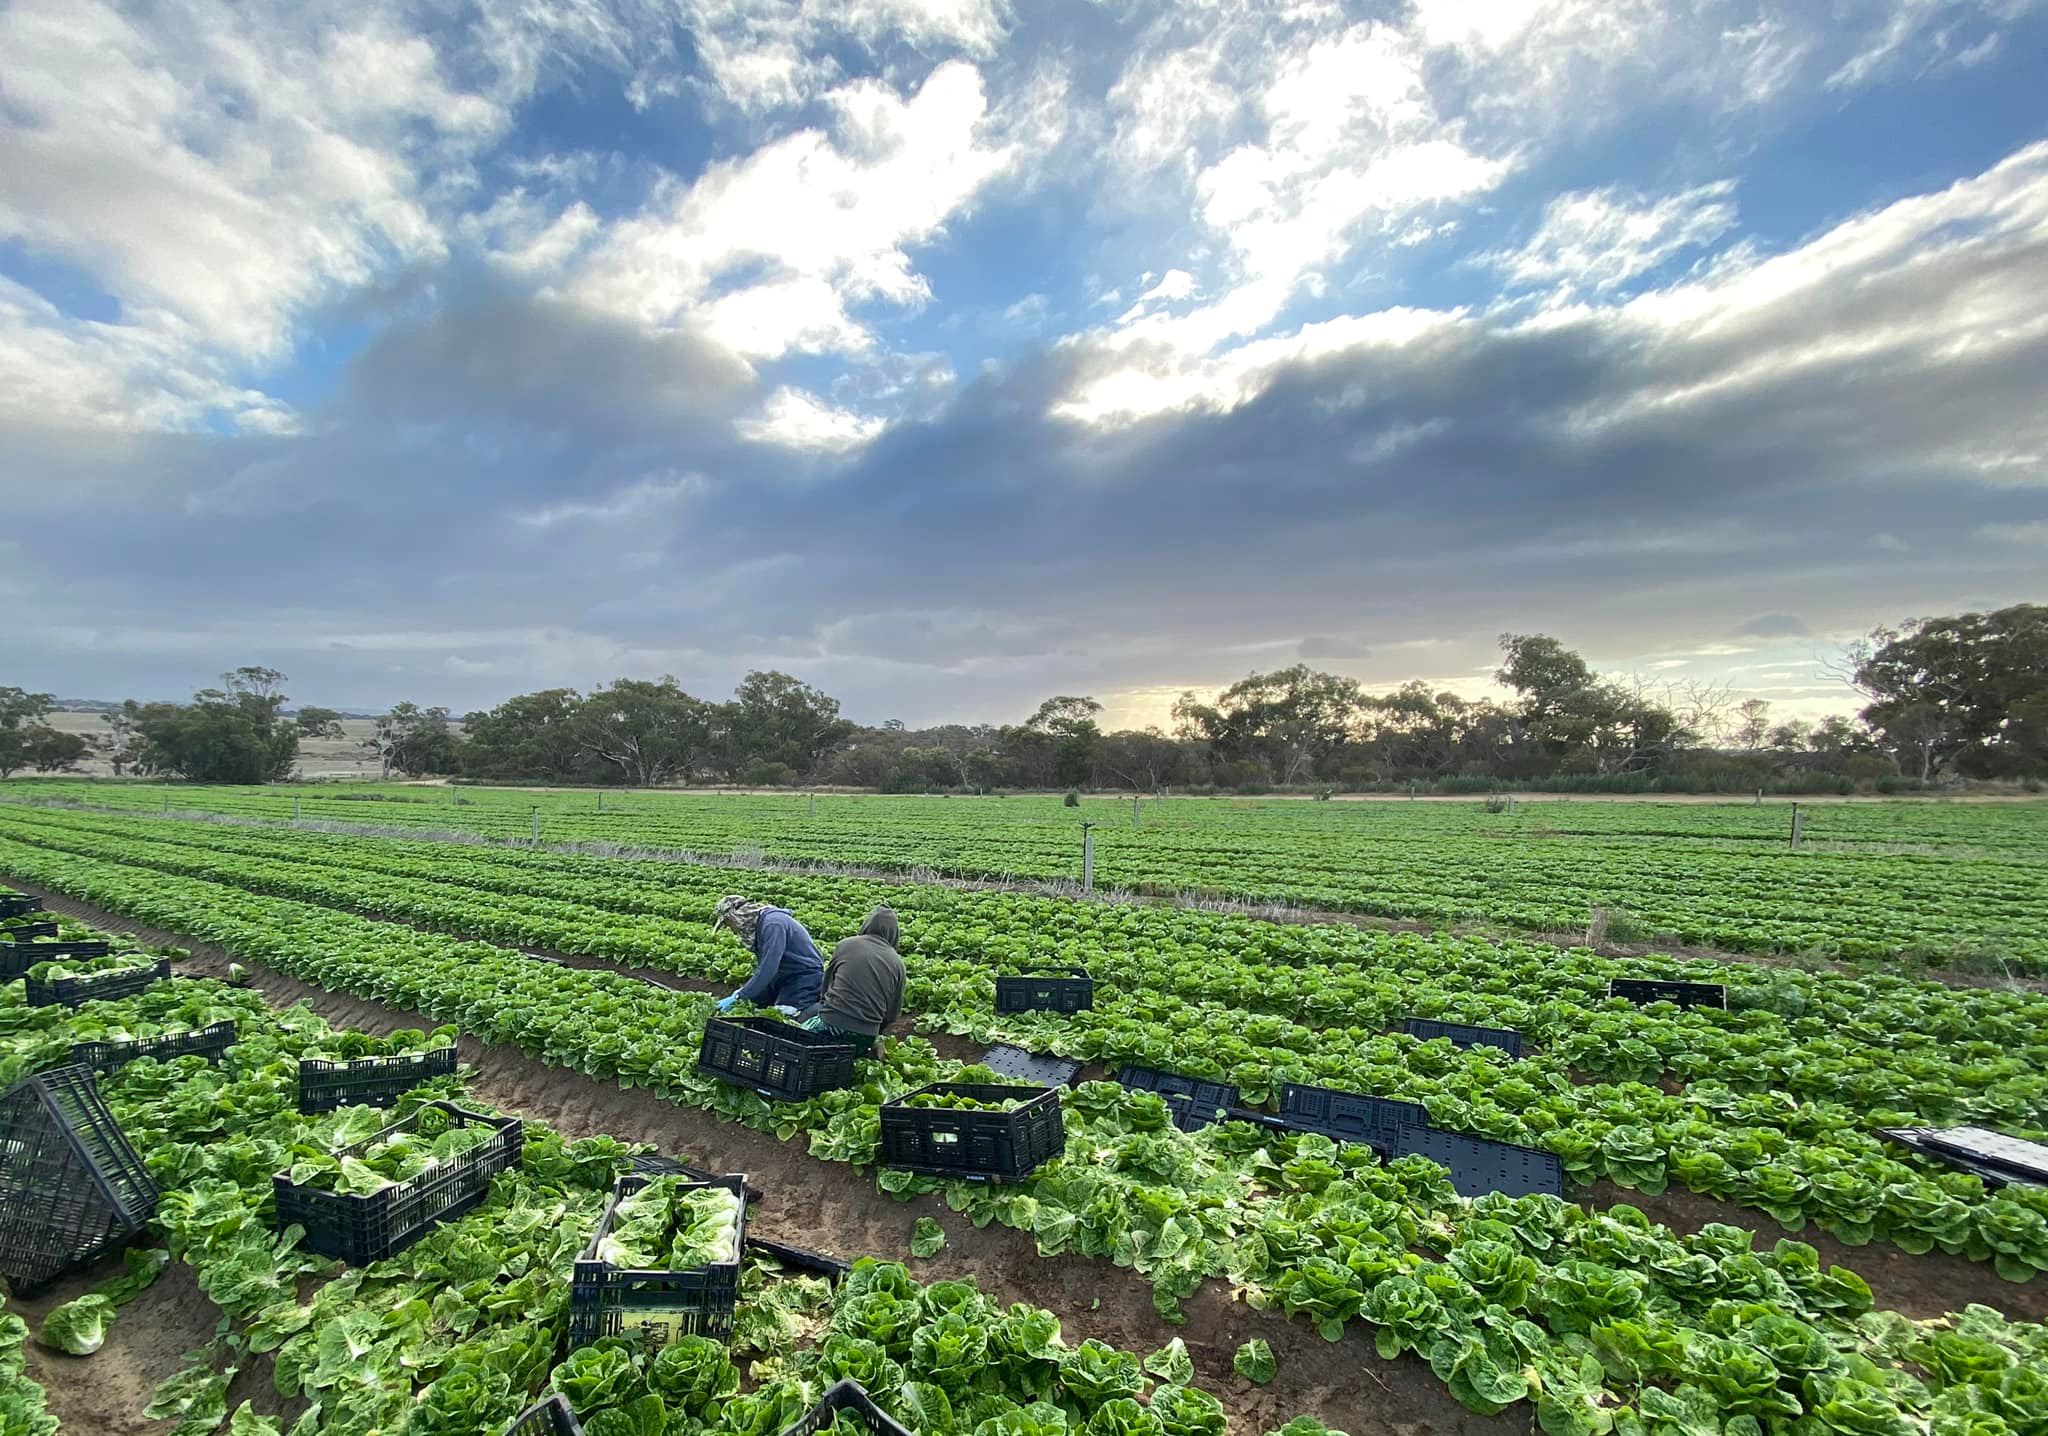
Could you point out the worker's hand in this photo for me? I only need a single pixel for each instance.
(785, 1011)
(725, 1003)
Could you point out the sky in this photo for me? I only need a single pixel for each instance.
(949, 354)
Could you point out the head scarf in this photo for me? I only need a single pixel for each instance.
(741, 915)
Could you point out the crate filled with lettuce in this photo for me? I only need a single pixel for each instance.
(357, 1070)
(74, 981)
(664, 1262)
(373, 1197)
(973, 1131)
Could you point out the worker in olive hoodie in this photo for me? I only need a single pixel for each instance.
(863, 984)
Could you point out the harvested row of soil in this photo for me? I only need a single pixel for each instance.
(831, 1207)
(105, 1393)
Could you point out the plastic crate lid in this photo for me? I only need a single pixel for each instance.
(1981, 1144)
(1007, 1061)
(1479, 1166)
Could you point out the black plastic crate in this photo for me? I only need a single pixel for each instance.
(549, 1417)
(368, 1081)
(207, 1042)
(1022, 1066)
(1349, 1116)
(1464, 1034)
(15, 904)
(1067, 990)
(777, 1059)
(969, 1145)
(1643, 991)
(20, 931)
(851, 1397)
(1193, 1102)
(97, 986)
(16, 958)
(1479, 1165)
(605, 1300)
(71, 1186)
(364, 1229)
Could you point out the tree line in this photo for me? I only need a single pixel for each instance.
(1955, 697)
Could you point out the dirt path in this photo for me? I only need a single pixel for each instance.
(105, 1393)
(835, 1208)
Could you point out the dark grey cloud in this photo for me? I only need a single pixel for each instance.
(509, 492)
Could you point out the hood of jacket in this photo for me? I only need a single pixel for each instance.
(881, 923)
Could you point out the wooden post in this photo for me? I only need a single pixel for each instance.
(295, 807)
(1797, 823)
(1087, 857)
(536, 827)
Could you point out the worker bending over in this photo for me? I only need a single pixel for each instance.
(788, 973)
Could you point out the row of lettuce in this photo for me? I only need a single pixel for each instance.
(1770, 1104)
(1599, 1321)
(1854, 900)
(458, 1332)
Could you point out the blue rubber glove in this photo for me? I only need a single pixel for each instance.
(725, 1003)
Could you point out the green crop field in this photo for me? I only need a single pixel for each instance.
(1736, 1251)
(1945, 882)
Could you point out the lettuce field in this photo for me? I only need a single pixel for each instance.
(1736, 1249)
(1942, 882)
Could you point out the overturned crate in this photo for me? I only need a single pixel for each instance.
(368, 1081)
(972, 1144)
(1194, 1103)
(1064, 989)
(364, 1229)
(1464, 1034)
(1645, 990)
(208, 1042)
(605, 1300)
(71, 1187)
(97, 986)
(1376, 1122)
(843, 1401)
(777, 1059)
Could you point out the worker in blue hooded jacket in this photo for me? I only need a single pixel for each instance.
(788, 971)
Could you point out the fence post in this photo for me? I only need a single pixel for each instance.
(1797, 821)
(167, 798)
(600, 800)
(1759, 799)
(295, 807)
(536, 827)
(814, 805)
(1087, 857)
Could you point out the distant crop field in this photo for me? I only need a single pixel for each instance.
(1941, 881)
